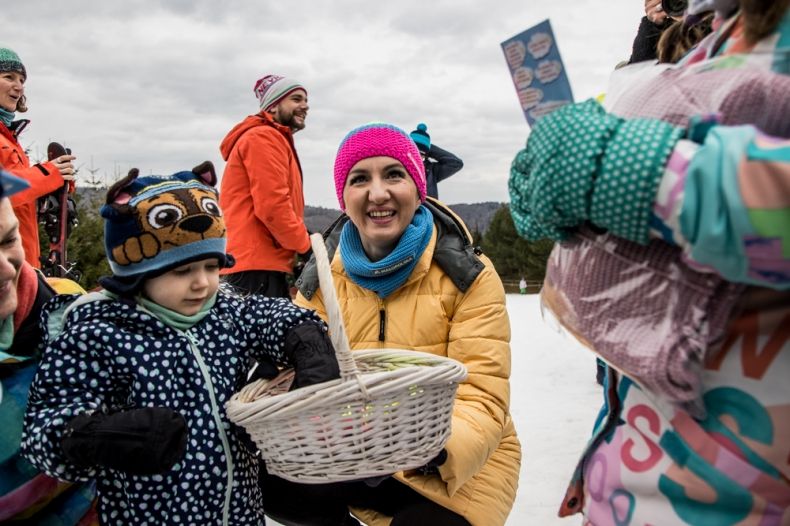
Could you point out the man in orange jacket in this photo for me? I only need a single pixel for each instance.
(261, 192)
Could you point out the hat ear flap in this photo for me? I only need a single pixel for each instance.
(117, 192)
(205, 171)
(116, 211)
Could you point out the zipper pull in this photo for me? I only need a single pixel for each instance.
(382, 323)
(190, 337)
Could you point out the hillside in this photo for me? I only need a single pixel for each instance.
(477, 216)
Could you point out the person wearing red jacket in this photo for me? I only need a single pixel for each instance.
(44, 178)
(261, 192)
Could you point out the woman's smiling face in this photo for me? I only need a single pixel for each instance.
(381, 200)
(12, 87)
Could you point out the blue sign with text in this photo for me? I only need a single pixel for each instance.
(537, 71)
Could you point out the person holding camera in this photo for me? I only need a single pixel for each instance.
(659, 16)
(666, 35)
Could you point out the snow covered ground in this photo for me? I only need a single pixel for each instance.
(554, 402)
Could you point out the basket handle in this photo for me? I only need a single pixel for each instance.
(337, 329)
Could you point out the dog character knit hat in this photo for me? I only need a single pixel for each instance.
(271, 89)
(9, 61)
(421, 137)
(376, 140)
(11, 184)
(153, 224)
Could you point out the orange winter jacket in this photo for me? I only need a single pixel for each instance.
(44, 179)
(261, 196)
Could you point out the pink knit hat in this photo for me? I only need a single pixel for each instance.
(377, 140)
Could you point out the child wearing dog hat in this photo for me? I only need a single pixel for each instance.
(133, 383)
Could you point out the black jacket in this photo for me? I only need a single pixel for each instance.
(646, 41)
(439, 165)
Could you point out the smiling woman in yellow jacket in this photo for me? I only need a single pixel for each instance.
(407, 276)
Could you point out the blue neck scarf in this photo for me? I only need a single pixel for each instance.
(385, 276)
(7, 117)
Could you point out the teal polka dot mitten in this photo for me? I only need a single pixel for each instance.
(583, 164)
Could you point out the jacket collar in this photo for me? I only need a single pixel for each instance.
(451, 248)
(269, 120)
(287, 132)
(13, 131)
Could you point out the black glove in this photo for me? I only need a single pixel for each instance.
(263, 370)
(374, 482)
(300, 260)
(432, 466)
(306, 255)
(309, 350)
(146, 441)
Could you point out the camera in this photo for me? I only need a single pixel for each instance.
(674, 8)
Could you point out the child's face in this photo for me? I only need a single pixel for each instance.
(185, 289)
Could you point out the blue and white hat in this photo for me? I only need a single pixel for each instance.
(156, 223)
(421, 138)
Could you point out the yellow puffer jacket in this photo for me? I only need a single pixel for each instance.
(429, 313)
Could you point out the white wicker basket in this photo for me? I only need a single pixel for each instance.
(389, 411)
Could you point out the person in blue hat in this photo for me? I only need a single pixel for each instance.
(135, 378)
(439, 163)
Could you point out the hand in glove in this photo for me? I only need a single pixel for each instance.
(263, 369)
(432, 466)
(583, 164)
(146, 441)
(300, 260)
(308, 348)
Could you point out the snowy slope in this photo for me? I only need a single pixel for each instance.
(554, 402)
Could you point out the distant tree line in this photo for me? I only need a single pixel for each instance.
(513, 256)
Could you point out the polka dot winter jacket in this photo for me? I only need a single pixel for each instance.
(113, 355)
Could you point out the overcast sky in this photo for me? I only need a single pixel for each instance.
(157, 85)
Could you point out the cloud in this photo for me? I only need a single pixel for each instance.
(157, 85)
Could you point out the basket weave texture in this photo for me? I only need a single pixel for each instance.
(390, 410)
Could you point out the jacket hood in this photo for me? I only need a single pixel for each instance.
(252, 121)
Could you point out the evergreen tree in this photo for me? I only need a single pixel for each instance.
(477, 237)
(512, 255)
(85, 243)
